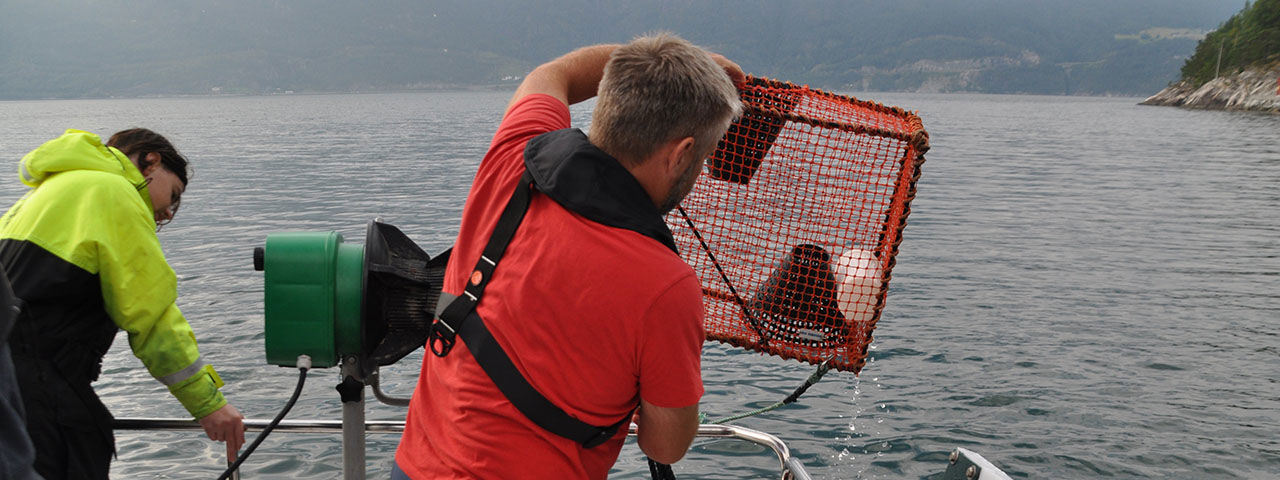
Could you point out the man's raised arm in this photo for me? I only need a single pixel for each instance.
(571, 78)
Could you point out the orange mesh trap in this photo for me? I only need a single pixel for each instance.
(794, 230)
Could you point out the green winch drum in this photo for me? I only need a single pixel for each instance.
(328, 300)
(312, 295)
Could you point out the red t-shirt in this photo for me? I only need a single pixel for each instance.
(594, 317)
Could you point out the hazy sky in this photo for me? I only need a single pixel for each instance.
(127, 47)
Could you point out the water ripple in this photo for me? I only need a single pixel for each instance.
(1086, 287)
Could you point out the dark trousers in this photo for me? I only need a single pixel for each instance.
(397, 473)
(69, 453)
(69, 427)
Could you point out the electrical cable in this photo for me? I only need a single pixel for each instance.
(304, 364)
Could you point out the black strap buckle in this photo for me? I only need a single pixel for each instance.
(600, 437)
(441, 338)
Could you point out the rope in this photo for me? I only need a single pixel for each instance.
(723, 276)
(661, 471)
(813, 378)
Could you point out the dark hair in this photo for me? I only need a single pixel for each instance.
(143, 141)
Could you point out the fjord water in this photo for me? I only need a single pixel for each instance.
(1087, 288)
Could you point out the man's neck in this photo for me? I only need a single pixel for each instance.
(647, 173)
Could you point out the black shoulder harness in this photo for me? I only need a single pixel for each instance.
(580, 177)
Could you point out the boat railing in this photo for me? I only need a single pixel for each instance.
(792, 468)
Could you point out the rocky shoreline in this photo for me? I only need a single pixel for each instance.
(1254, 89)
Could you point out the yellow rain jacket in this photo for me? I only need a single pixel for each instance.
(81, 251)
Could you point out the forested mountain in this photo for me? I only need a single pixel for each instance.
(64, 48)
(1248, 38)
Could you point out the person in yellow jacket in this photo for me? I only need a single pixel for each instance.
(81, 251)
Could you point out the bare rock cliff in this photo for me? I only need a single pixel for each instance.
(1254, 89)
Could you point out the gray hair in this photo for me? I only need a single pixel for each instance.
(658, 88)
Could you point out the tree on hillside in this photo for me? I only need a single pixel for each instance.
(1247, 38)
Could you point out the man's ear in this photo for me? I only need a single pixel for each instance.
(679, 149)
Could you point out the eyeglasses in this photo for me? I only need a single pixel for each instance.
(171, 211)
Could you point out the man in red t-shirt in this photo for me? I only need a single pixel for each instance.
(591, 301)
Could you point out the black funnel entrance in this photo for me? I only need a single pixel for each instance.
(401, 286)
(797, 303)
(750, 137)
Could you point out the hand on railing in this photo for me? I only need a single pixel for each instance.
(225, 424)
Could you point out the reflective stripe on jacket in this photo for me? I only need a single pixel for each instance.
(80, 248)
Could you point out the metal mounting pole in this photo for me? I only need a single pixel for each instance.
(352, 391)
(1218, 68)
